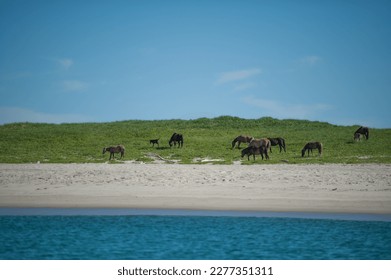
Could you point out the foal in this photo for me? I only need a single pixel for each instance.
(153, 142)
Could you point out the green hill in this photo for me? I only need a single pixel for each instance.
(205, 140)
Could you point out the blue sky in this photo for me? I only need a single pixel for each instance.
(97, 61)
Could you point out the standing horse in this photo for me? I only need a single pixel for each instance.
(362, 130)
(112, 150)
(241, 139)
(262, 144)
(176, 138)
(277, 141)
(312, 145)
(252, 151)
(153, 142)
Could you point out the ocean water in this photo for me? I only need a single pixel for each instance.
(164, 237)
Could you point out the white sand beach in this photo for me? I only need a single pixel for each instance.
(330, 188)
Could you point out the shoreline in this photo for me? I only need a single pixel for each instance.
(189, 213)
(329, 188)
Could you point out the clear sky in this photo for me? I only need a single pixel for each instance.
(96, 61)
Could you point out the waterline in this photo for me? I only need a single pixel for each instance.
(15, 211)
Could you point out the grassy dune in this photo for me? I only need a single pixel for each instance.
(203, 139)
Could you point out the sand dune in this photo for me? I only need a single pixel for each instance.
(333, 188)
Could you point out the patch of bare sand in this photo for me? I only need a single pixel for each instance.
(333, 188)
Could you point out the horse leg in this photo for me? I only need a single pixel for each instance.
(283, 145)
(266, 154)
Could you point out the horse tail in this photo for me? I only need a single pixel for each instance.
(284, 145)
(320, 148)
(122, 151)
(268, 146)
(367, 134)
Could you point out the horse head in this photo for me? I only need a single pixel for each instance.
(244, 152)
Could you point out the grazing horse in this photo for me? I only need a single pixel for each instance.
(112, 150)
(262, 144)
(153, 142)
(362, 130)
(252, 151)
(241, 139)
(277, 141)
(176, 138)
(312, 145)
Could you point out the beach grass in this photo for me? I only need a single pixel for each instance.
(205, 141)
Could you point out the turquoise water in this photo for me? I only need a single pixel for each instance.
(190, 237)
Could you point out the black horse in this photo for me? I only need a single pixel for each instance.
(153, 142)
(277, 141)
(362, 130)
(176, 138)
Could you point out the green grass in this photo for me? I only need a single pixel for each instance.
(203, 138)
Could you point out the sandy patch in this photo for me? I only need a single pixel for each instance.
(360, 188)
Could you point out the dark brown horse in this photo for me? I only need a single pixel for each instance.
(241, 139)
(310, 146)
(176, 138)
(262, 144)
(362, 130)
(115, 150)
(277, 141)
(252, 151)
